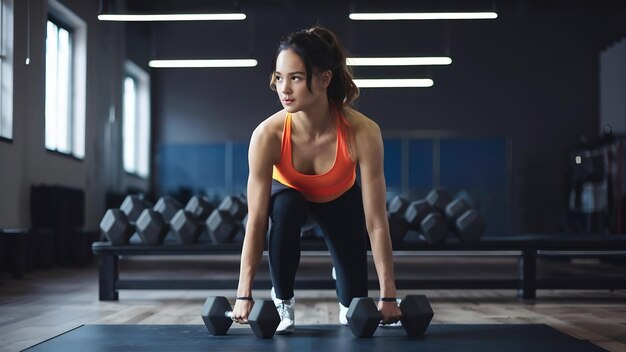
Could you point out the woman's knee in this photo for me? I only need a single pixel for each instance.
(288, 205)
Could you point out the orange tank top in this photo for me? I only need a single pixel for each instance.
(318, 188)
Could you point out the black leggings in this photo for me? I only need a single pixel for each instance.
(343, 223)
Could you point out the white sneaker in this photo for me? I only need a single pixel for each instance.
(343, 310)
(286, 312)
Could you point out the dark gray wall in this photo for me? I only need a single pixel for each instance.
(613, 87)
(532, 74)
(24, 161)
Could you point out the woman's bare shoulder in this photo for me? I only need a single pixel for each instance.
(266, 139)
(271, 127)
(360, 123)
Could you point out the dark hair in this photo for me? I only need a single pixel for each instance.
(320, 50)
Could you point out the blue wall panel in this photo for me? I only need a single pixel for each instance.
(479, 167)
(240, 167)
(196, 166)
(393, 166)
(420, 167)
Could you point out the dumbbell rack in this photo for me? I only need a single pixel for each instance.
(526, 247)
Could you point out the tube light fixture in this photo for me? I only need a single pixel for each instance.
(202, 63)
(393, 83)
(174, 17)
(397, 61)
(423, 16)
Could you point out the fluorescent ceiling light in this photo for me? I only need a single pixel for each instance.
(423, 16)
(202, 63)
(176, 17)
(397, 61)
(393, 83)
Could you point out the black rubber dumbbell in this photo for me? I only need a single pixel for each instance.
(200, 207)
(118, 229)
(235, 206)
(422, 217)
(133, 205)
(398, 226)
(187, 224)
(168, 206)
(363, 315)
(439, 198)
(434, 228)
(222, 226)
(217, 317)
(415, 212)
(466, 222)
(151, 224)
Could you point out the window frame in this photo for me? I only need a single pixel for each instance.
(60, 24)
(142, 102)
(63, 17)
(6, 71)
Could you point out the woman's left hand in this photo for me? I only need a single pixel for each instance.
(390, 311)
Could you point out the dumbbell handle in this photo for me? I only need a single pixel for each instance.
(229, 315)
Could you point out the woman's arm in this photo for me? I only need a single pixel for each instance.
(369, 145)
(260, 159)
(370, 154)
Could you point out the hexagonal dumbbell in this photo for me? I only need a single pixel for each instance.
(150, 227)
(417, 314)
(439, 198)
(422, 217)
(415, 212)
(395, 215)
(187, 224)
(222, 226)
(167, 206)
(200, 207)
(466, 222)
(434, 228)
(455, 209)
(217, 317)
(363, 315)
(235, 206)
(133, 205)
(116, 227)
(186, 227)
(470, 226)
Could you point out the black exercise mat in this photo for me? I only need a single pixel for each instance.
(325, 338)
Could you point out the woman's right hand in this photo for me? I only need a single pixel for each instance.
(242, 310)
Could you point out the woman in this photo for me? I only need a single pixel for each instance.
(303, 163)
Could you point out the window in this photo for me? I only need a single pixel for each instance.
(6, 69)
(58, 88)
(136, 125)
(66, 55)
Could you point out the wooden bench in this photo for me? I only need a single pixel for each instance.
(526, 247)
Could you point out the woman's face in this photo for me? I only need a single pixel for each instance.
(291, 86)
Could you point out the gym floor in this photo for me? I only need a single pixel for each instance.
(49, 302)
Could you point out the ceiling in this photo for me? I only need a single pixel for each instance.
(526, 6)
